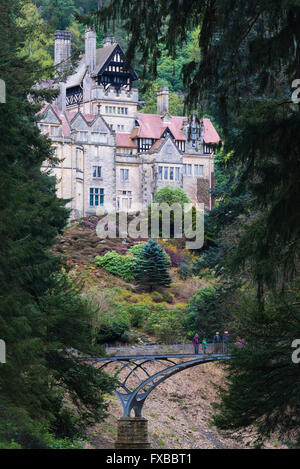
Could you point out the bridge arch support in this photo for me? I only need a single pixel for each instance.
(133, 400)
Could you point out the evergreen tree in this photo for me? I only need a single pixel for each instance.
(152, 266)
(43, 317)
(263, 385)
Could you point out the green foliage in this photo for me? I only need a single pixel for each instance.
(120, 265)
(171, 195)
(137, 249)
(165, 324)
(137, 314)
(116, 264)
(57, 13)
(152, 266)
(263, 382)
(113, 326)
(150, 97)
(202, 313)
(39, 40)
(185, 271)
(66, 443)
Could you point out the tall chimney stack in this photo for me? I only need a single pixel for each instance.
(163, 100)
(90, 48)
(62, 51)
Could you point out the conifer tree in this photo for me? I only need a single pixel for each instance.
(42, 315)
(152, 266)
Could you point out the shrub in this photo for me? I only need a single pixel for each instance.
(116, 264)
(113, 326)
(137, 249)
(137, 313)
(176, 255)
(90, 222)
(168, 297)
(165, 324)
(157, 297)
(185, 271)
(171, 195)
(202, 313)
(120, 265)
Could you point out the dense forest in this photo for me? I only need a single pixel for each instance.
(234, 61)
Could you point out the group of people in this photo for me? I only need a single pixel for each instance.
(220, 343)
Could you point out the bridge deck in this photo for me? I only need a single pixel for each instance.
(159, 357)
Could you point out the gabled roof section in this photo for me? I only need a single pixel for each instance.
(50, 115)
(124, 140)
(99, 125)
(166, 132)
(105, 55)
(159, 144)
(152, 126)
(79, 120)
(60, 118)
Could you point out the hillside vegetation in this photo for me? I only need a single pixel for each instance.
(180, 410)
(125, 308)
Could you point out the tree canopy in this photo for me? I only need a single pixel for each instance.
(171, 195)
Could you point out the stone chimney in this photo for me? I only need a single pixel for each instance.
(109, 41)
(163, 100)
(62, 51)
(90, 48)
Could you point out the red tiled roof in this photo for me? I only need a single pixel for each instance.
(150, 126)
(123, 140)
(157, 144)
(210, 133)
(153, 126)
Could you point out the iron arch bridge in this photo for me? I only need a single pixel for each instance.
(136, 381)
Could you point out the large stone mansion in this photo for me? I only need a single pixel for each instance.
(108, 153)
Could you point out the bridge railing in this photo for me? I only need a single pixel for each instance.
(160, 349)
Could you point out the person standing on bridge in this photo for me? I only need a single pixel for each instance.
(225, 340)
(204, 345)
(217, 343)
(196, 342)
